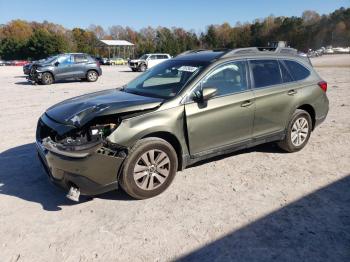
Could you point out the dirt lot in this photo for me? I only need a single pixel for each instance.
(256, 205)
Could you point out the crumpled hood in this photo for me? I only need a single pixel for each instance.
(80, 110)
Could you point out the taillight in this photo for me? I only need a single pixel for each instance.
(323, 85)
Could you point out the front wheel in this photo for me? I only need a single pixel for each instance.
(46, 78)
(149, 169)
(143, 68)
(92, 76)
(298, 132)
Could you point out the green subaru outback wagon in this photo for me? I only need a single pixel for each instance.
(197, 105)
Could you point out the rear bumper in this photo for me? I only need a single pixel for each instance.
(320, 120)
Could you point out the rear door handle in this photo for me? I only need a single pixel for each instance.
(292, 92)
(246, 103)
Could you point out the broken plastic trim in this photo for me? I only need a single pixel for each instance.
(56, 148)
(73, 194)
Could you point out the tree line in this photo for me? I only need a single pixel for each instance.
(31, 40)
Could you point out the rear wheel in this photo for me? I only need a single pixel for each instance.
(149, 169)
(92, 76)
(47, 78)
(298, 132)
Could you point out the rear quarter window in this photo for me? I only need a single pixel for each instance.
(286, 76)
(297, 70)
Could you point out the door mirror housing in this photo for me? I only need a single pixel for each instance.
(208, 92)
(201, 96)
(56, 63)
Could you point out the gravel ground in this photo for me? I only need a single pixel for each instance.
(255, 205)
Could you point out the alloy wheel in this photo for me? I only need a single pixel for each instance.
(152, 169)
(92, 76)
(300, 131)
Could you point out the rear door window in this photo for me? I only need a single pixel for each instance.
(265, 73)
(298, 71)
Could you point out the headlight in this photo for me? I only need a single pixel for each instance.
(102, 130)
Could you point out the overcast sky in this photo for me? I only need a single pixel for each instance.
(189, 14)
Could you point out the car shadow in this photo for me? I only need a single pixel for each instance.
(22, 176)
(56, 82)
(313, 228)
(24, 83)
(20, 76)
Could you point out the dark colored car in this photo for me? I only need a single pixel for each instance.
(102, 60)
(27, 68)
(195, 106)
(65, 66)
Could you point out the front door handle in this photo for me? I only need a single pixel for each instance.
(246, 103)
(292, 92)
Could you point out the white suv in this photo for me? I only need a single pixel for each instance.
(147, 61)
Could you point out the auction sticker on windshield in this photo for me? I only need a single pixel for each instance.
(188, 68)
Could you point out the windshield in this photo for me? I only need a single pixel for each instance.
(50, 59)
(144, 57)
(166, 79)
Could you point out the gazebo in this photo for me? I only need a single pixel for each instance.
(119, 48)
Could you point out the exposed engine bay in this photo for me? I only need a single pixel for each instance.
(88, 136)
(78, 139)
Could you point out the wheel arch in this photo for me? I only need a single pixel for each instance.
(309, 108)
(91, 69)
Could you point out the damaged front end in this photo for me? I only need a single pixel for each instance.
(73, 139)
(34, 75)
(80, 158)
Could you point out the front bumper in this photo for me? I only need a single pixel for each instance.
(133, 65)
(93, 171)
(34, 76)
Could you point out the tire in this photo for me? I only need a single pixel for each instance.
(46, 78)
(134, 70)
(143, 68)
(92, 76)
(298, 132)
(143, 180)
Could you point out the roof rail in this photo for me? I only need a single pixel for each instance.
(248, 50)
(286, 50)
(259, 50)
(192, 51)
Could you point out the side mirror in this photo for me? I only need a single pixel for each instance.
(201, 96)
(208, 92)
(57, 63)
